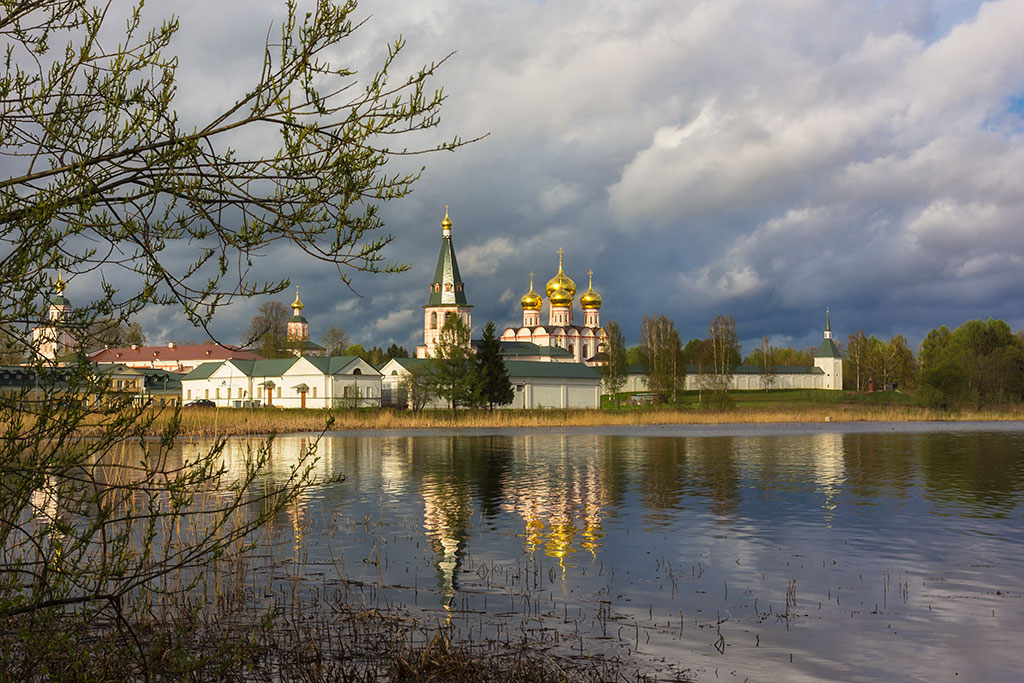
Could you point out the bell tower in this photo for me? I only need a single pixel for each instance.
(447, 293)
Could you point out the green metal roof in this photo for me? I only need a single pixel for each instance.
(778, 370)
(414, 365)
(827, 349)
(204, 371)
(447, 272)
(534, 368)
(331, 365)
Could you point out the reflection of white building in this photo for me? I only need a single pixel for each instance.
(305, 382)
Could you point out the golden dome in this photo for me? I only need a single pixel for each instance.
(560, 289)
(59, 284)
(531, 301)
(446, 224)
(297, 305)
(590, 298)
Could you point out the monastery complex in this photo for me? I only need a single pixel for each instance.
(551, 364)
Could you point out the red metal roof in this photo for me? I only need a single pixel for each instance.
(188, 354)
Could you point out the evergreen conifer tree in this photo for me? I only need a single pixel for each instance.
(494, 387)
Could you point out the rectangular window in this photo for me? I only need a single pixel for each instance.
(314, 392)
(279, 392)
(216, 392)
(188, 395)
(239, 392)
(206, 393)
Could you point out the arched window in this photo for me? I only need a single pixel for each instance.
(357, 371)
(585, 353)
(447, 286)
(570, 348)
(433, 320)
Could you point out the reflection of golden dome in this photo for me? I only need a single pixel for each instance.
(560, 289)
(297, 305)
(531, 301)
(590, 298)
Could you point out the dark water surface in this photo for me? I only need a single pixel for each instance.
(823, 552)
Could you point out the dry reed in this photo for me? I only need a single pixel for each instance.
(231, 422)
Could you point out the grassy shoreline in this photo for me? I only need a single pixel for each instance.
(246, 422)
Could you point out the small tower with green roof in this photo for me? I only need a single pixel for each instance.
(828, 358)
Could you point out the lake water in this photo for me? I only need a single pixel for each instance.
(762, 553)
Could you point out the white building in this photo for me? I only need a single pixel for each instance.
(305, 382)
(826, 373)
(537, 384)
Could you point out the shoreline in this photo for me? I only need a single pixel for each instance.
(213, 422)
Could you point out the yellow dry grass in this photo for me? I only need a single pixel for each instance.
(227, 422)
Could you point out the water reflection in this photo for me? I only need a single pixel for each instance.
(719, 527)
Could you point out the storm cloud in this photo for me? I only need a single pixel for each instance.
(763, 159)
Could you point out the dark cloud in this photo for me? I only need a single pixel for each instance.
(723, 156)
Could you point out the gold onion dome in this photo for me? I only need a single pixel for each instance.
(531, 301)
(446, 224)
(590, 298)
(297, 305)
(560, 289)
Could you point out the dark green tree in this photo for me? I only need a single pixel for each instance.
(453, 369)
(614, 372)
(978, 363)
(493, 385)
(396, 351)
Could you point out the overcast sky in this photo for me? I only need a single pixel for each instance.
(759, 158)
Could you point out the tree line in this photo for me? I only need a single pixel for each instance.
(979, 362)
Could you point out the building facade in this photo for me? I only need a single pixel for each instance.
(304, 382)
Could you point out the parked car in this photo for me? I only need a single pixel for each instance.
(201, 403)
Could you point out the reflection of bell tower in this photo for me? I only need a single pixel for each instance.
(446, 517)
(447, 294)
